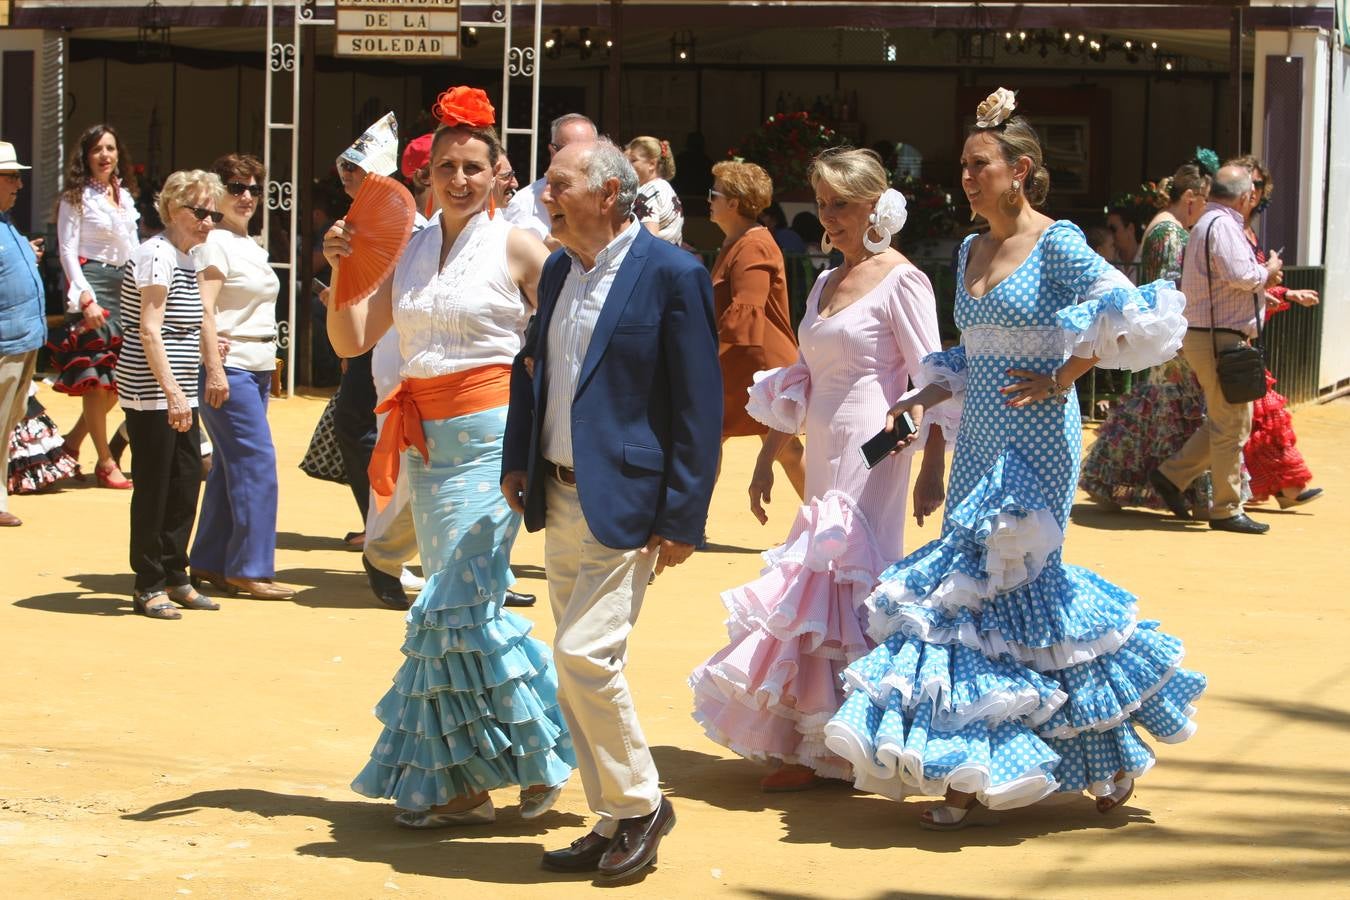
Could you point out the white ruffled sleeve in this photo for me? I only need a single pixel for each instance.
(1123, 326)
(1126, 327)
(946, 369)
(778, 398)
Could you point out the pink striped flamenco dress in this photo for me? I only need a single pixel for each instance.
(769, 692)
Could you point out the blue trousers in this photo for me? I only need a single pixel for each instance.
(237, 528)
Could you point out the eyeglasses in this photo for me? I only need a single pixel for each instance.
(506, 176)
(347, 166)
(238, 189)
(203, 214)
(1258, 185)
(712, 194)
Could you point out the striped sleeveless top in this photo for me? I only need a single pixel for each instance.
(159, 262)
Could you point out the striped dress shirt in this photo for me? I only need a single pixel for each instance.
(577, 310)
(1237, 274)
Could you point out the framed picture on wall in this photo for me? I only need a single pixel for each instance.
(1075, 138)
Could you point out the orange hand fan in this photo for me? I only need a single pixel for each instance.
(381, 220)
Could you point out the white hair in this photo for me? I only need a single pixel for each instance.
(563, 121)
(604, 161)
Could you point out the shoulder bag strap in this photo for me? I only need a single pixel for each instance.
(1209, 279)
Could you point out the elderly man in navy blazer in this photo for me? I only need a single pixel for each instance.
(611, 445)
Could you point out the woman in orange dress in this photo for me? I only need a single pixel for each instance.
(754, 325)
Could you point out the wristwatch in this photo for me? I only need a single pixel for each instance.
(1058, 390)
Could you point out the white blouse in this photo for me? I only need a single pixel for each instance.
(466, 314)
(658, 204)
(98, 231)
(246, 307)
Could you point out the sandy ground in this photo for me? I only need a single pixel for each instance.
(211, 756)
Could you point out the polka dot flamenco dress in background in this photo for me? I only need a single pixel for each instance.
(1001, 670)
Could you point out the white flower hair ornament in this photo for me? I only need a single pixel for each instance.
(887, 219)
(995, 109)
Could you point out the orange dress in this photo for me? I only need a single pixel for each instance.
(754, 326)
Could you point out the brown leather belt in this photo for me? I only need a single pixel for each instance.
(564, 474)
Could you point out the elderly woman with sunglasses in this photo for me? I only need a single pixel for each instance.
(157, 383)
(235, 547)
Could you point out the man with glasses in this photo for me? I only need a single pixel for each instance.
(526, 209)
(23, 325)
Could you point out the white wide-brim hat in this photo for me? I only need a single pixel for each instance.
(9, 160)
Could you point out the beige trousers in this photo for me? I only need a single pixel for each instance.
(1216, 446)
(389, 548)
(16, 373)
(596, 593)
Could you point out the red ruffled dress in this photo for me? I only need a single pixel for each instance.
(1273, 461)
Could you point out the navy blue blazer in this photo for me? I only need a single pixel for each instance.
(647, 414)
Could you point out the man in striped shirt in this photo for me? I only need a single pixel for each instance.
(1225, 290)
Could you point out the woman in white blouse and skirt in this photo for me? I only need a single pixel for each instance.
(96, 228)
(473, 707)
(235, 546)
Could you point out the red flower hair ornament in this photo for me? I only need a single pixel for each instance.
(464, 105)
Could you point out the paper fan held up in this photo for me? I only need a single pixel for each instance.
(380, 223)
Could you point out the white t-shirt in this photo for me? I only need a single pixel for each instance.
(658, 203)
(246, 307)
(526, 210)
(465, 314)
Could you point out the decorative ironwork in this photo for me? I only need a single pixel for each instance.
(498, 13)
(308, 8)
(279, 195)
(283, 335)
(152, 32)
(521, 62)
(281, 57)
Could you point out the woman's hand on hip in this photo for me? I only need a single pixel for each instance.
(1030, 387)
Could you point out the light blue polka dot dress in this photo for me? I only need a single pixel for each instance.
(1001, 670)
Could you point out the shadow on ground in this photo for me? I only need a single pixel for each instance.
(96, 595)
(363, 831)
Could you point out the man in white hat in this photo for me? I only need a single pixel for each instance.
(23, 323)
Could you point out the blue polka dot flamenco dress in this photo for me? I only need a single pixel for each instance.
(1002, 671)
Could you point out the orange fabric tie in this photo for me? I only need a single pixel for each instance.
(416, 400)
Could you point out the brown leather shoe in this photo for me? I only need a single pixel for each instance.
(201, 578)
(583, 855)
(635, 844)
(259, 588)
(9, 520)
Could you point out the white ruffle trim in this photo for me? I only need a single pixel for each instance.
(1062, 655)
(1064, 732)
(1018, 547)
(1128, 332)
(1107, 787)
(813, 754)
(994, 707)
(778, 398)
(892, 771)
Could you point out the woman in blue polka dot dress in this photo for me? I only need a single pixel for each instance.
(1003, 675)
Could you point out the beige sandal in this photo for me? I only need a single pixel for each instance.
(943, 817)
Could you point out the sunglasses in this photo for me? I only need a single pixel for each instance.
(712, 194)
(238, 189)
(203, 214)
(347, 166)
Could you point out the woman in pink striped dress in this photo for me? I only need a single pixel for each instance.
(768, 694)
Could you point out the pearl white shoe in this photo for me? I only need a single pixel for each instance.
(532, 806)
(953, 818)
(411, 581)
(482, 814)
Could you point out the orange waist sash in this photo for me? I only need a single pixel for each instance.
(416, 400)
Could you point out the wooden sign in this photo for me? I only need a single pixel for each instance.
(405, 29)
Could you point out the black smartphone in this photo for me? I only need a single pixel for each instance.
(880, 446)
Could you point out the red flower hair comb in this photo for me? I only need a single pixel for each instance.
(464, 105)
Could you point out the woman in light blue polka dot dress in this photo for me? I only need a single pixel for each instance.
(1002, 674)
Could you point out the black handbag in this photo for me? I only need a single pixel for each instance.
(1241, 369)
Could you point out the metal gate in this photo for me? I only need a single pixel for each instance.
(282, 122)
